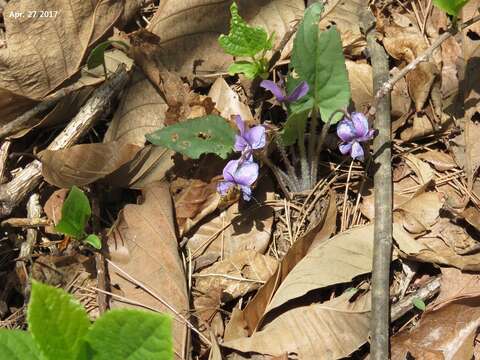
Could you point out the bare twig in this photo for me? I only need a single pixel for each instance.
(30, 222)
(382, 253)
(387, 86)
(12, 193)
(4, 149)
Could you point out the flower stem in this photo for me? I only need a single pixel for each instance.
(312, 138)
(290, 169)
(278, 175)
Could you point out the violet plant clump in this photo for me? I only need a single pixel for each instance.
(243, 172)
(353, 131)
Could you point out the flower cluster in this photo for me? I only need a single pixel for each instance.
(353, 132)
(243, 172)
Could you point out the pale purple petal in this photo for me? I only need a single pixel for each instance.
(300, 91)
(230, 169)
(274, 89)
(246, 192)
(345, 148)
(246, 173)
(240, 143)
(360, 123)
(357, 151)
(345, 131)
(224, 186)
(256, 137)
(240, 124)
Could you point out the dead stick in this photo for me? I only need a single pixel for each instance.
(382, 253)
(13, 192)
(387, 86)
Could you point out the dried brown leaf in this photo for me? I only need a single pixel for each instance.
(334, 329)
(32, 72)
(85, 163)
(227, 101)
(144, 239)
(439, 160)
(455, 285)
(446, 333)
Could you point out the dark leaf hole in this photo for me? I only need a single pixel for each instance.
(204, 136)
(472, 35)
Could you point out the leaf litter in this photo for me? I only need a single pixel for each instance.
(280, 276)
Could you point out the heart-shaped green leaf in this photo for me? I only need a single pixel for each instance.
(75, 214)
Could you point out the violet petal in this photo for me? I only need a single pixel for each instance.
(246, 192)
(274, 89)
(256, 137)
(240, 143)
(345, 131)
(246, 174)
(300, 91)
(223, 187)
(345, 148)
(360, 124)
(240, 124)
(357, 151)
(230, 169)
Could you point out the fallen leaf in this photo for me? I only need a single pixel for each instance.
(250, 317)
(234, 230)
(434, 250)
(349, 253)
(144, 238)
(228, 103)
(53, 208)
(405, 43)
(191, 48)
(439, 160)
(455, 285)
(446, 333)
(334, 329)
(85, 163)
(423, 171)
(30, 71)
(345, 15)
(229, 279)
(421, 126)
(420, 213)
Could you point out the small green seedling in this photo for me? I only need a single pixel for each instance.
(76, 212)
(247, 42)
(419, 303)
(451, 7)
(194, 137)
(59, 328)
(97, 55)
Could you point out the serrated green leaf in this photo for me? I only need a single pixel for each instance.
(202, 135)
(57, 322)
(419, 304)
(244, 40)
(129, 334)
(94, 241)
(249, 69)
(97, 55)
(75, 214)
(18, 345)
(294, 126)
(318, 59)
(451, 7)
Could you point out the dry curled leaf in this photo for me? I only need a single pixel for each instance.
(30, 71)
(146, 247)
(227, 101)
(85, 163)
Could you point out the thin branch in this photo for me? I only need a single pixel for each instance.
(382, 253)
(387, 86)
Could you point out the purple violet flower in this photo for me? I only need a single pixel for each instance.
(280, 94)
(249, 139)
(241, 173)
(352, 132)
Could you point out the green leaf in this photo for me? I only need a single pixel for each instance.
(97, 55)
(202, 135)
(56, 321)
(129, 334)
(318, 59)
(294, 126)
(251, 70)
(75, 213)
(94, 241)
(244, 40)
(419, 304)
(18, 345)
(451, 7)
